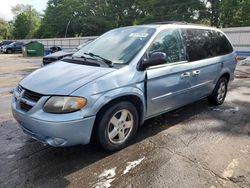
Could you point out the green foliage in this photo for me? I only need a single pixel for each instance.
(234, 13)
(172, 10)
(70, 18)
(26, 23)
(229, 13)
(88, 17)
(4, 29)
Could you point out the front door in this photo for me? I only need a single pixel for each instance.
(168, 85)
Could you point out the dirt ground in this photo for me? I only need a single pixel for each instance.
(196, 146)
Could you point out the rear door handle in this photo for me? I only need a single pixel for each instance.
(196, 72)
(185, 75)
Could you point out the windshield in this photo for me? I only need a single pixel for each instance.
(84, 44)
(118, 45)
(11, 44)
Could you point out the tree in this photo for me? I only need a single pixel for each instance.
(229, 13)
(171, 10)
(4, 29)
(58, 15)
(26, 23)
(69, 18)
(93, 17)
(234, 13)
(19, 8)
(213, 11)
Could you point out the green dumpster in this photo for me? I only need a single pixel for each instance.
(32, 49)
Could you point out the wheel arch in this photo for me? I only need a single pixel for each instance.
(132, 98)
(226, 75)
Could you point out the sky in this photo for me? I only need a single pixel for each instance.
(5, 7)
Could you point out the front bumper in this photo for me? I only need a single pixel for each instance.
(55, 132)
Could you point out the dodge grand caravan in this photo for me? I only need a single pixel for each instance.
(111, 86)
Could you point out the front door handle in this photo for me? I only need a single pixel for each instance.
(185, 75)
(196, 72)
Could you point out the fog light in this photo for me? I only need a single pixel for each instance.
(55, 141)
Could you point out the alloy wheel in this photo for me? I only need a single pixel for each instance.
(120, 126)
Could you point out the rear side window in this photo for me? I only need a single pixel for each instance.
(203, 44)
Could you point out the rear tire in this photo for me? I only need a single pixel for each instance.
(219, 93)
(117, 125)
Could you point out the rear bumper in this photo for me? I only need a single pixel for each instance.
(56, 133)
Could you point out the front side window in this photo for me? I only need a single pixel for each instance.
(171, 44)
(119, 45)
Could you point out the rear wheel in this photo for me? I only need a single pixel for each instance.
(117, 125)
(220, 91)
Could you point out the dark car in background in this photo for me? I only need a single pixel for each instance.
(3, 43)
(63, 53)
(14, 47)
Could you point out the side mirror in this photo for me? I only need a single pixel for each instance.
(156, 58)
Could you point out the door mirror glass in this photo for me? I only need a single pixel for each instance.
(156, 58)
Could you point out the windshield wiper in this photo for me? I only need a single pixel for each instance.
(108, 62)
(82, 57)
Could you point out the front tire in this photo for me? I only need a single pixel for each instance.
(117, 126)
(9, 51)
(219, 93)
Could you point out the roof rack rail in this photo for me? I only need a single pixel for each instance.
(171, 22)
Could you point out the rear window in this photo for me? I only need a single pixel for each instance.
(203, 44)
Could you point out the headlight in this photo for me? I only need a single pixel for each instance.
(59, 104)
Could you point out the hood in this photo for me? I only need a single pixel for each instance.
(5, 46)
(60, 53)
(62, 78)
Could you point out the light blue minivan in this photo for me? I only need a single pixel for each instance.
(112, 85)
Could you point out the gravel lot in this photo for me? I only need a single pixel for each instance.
(196, 146)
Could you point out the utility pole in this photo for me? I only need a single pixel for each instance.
(66, 30)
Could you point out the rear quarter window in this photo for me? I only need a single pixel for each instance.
(222, 44)
(203, 44)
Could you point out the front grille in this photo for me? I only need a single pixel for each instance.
(19, 89)
(26, 99)
(30, 95)
(25, 107)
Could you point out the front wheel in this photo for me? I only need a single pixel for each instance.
(220, 91)
(117, 125)
(9, 51)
